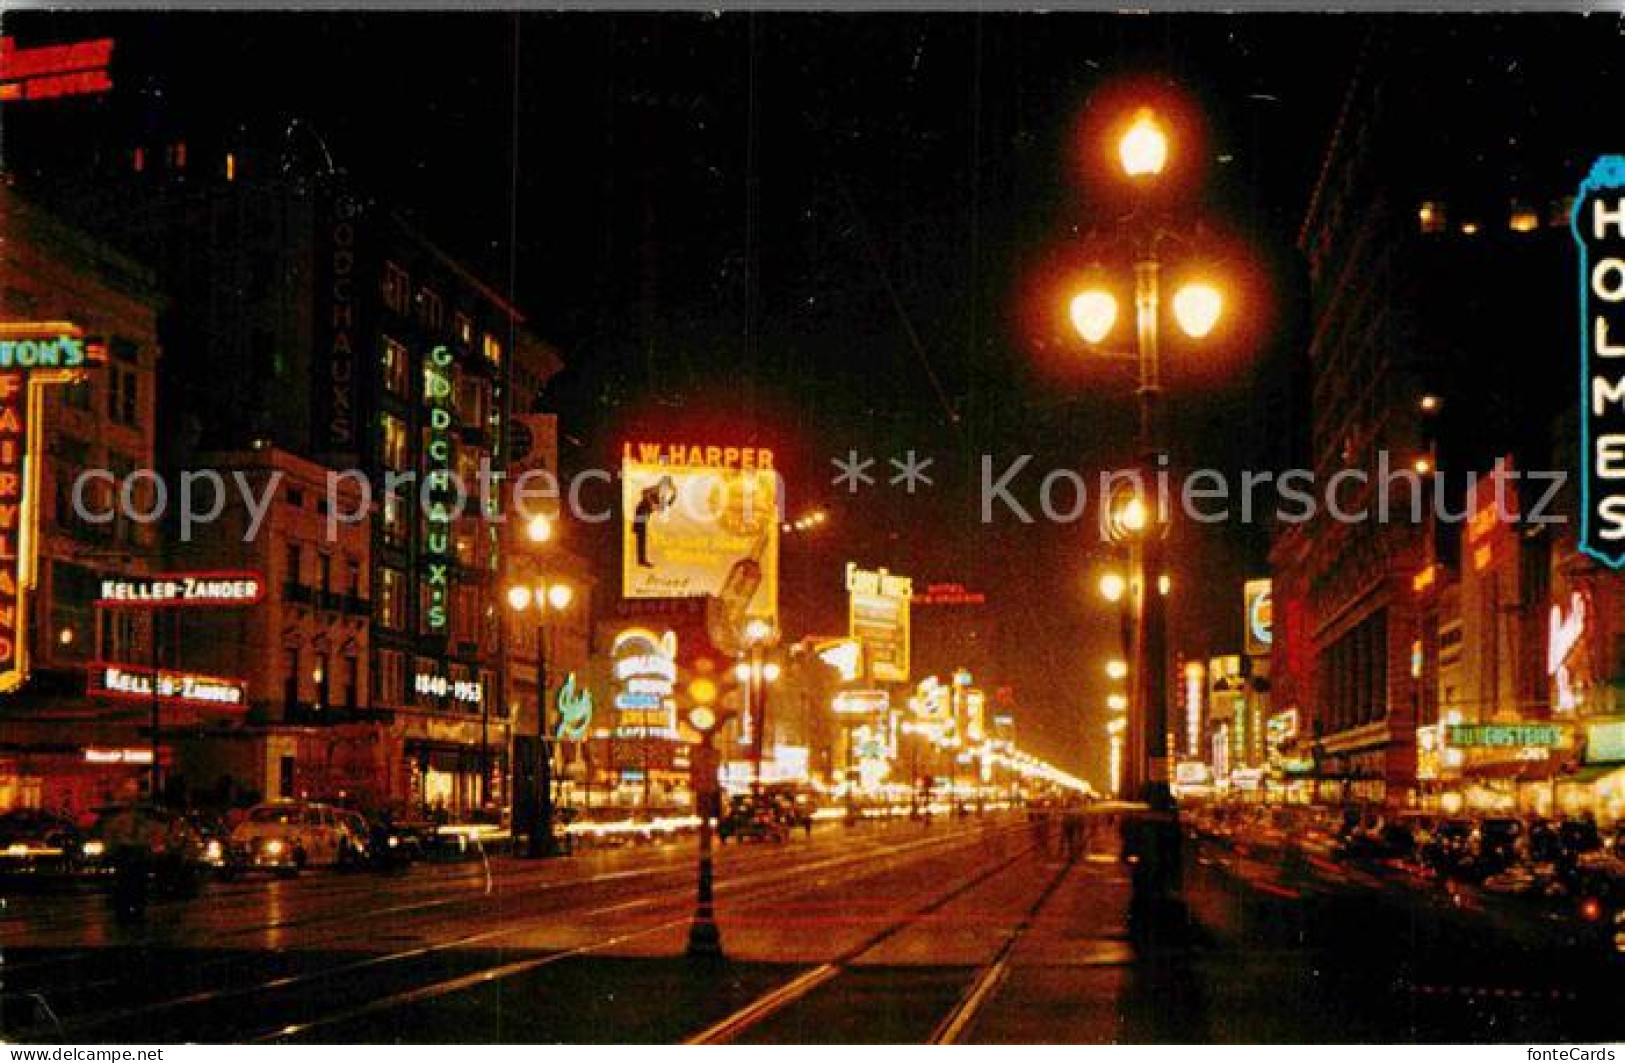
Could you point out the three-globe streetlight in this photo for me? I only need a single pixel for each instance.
(1143, 152)
(548, 600)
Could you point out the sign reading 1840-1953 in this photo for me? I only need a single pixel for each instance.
(1599, 228)
(33, 354)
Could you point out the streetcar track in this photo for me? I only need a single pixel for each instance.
(419, 994)
(774, 1001)
(678, 891)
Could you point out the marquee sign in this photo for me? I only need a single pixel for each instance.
(1598, 224)
(78, 68)
(33, 355)
(1259, 617)
(185, 589)
(134, 681)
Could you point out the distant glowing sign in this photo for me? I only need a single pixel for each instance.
(78, 68)
(575, 710)
(1504, 735)
(860, 702)
(33, 355)
(1598, 224)
(132, 681)
(949, 594)
(702, 520)
(645, 671)
(435, 685)
(878, 615)
(182, 589)
(1605, 742)
(440, 500)
(845, 656)
(1260, 617)
(1565, 653)
(118, 756)
(1195, 680)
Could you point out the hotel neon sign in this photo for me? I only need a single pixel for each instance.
(1598, 225)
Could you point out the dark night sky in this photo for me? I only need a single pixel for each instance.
(815, 232)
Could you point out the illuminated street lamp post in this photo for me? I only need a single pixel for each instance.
(547, 600)
(1143, 152)
(704, 938)
(755, 674)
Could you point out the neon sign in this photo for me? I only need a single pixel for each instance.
(645, 671)
(183, 589)
(1563, 638)
(32, 355)
(1260, 617)
(437, 391)
(1598, 224)
(78, 68)
(1502, 735)
(131, 681)
(430, 685)
(575, 710)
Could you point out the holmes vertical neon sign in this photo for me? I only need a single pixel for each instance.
(33, 355)
(437, 388)
(1599, 228)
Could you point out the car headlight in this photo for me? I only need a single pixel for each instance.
(212, 850)
(274, 847)
(94, 848)
(17, 849)
(394, 841)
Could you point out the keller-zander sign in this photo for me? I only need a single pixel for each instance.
(33, 355)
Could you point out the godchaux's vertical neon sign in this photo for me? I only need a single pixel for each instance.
(33, 356)
(437, 384)
(1599, 228)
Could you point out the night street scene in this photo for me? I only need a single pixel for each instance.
(812, 527)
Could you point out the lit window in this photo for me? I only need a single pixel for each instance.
(1469, 228)
(1431, 217)
(1523, 219)
(231, 166)
(138, 159)
(464, 328)
(393, 444)
(491, 347)
(397, 287)
(394, 360)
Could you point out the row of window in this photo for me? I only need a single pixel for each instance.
(293, 570)
(1433, 216)
(426, 305)
(465, 613)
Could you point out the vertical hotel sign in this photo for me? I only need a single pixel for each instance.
(33, 355)
(1599, 228)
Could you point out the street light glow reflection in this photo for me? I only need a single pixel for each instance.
(1113, 586)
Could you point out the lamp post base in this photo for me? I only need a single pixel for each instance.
(704, 939)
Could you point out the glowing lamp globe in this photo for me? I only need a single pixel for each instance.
(1094, 312)
(1196, 308)
(1144, 147)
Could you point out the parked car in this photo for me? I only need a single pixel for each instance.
(286, 837)
(172, 852)
(34, 842)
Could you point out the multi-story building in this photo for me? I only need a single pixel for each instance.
(301, 651)
(61, 746)
(1437, 244)
(306, 317)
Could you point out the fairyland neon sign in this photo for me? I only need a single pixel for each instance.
(33, 355)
